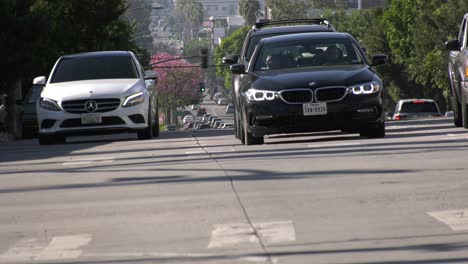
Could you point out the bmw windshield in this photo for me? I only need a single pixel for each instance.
(307, 52)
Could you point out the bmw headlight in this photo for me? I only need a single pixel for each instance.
(134, 99)
(260, 95)
(366, 88)
(49, 104)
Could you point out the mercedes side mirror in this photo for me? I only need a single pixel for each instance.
(39, 80)
(237, 68)
(151, 75)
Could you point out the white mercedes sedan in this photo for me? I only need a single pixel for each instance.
(97, 92)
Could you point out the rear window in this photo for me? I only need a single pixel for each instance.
(92, 68)
(419, 107)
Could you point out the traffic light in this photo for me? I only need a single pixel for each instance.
(204, 58)
(201, 86)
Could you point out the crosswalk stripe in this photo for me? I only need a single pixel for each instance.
(229, 235)
(457, 220)
(64, 247)
(23, 250)
(34, 249)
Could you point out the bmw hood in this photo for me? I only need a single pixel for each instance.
(92, 89)
(312, 77)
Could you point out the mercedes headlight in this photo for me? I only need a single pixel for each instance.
(260, 95)
(134, 99)
(366, 88)
(49, 104)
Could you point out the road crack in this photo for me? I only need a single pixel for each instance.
(241, 203)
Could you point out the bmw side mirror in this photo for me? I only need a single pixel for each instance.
(237, 68)
(452, 45)
(230, 59)
(379, 59)
(151, 75)
(39, 80)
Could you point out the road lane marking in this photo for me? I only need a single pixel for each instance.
(343, 144)
(64, 247)
(229, 235)
(457, 220)
(455, 136)
(34, 249)
(208, 152)
(88, 161)
(243, 259)
(23, 250)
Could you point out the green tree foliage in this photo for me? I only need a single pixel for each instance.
(192, 48)
(229, 45)
(249, 9)
(288, 9)
(187, 18)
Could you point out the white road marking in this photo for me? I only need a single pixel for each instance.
(457, 220)
(64, 247)
(34, 249)
(228, 235)
(88, 161)
(172, 255)
(209, 152)
(455, 136)
(23, 250)
(343, 144)
(276, 232)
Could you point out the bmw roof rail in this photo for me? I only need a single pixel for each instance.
(316, 21)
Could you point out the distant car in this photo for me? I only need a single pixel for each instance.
(223, 101)
(3, 111)
(205, 117)
(195, 107)
(216, 96)
(28, 116)
(105, 92)
(204, 126)
(187, 119)
(212, 122)
(171, 128)
(449, 114)
(227, 125)
(218, 124)
(230, 109)
(416, 108)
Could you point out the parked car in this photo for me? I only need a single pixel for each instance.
(195, 107)
(260, 30)
(336, 89)
(104, 92)
(205, 117)
(223, 101)
(227, 125)
(216, 96)
(230, 109)
(212, 122)
(28, 115)
(3, 111)
(458, 77)
(218, 123)
(416, 108)
(204, 126)
(187, 118)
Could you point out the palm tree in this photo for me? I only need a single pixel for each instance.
(249, 9)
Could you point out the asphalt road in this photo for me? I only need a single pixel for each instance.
(202, 197)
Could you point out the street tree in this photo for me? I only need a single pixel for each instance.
(178, 84)
(250, 10)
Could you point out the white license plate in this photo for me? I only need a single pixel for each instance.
(314, 109)
(87, 119)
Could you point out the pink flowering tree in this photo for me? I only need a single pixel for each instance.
(178, 83)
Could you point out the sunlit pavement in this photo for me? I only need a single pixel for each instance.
(202, 197)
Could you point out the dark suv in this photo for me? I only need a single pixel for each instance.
(267, 29)
(308, 82)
